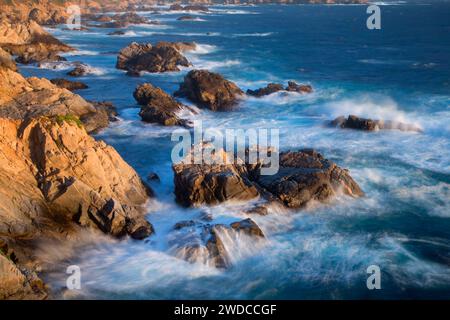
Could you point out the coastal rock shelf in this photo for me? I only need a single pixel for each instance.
(162, 57)
(303, 176)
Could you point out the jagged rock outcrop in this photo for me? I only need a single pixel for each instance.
(269, 89)
(69, 85)
(162, 57)
(300, 88)
(54, 176)
(276, 87)
(209, 90)
(18, 282)
(29, 42)
(197, 184)
(303, 176)
(355, 122)
(158, 106)
(22, 98)
(306, 175)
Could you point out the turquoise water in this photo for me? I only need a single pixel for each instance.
(401, 72)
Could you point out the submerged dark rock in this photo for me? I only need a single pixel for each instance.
(355, 122)
(209, 90)
(79, 71)
(276, 87)
(269, 89)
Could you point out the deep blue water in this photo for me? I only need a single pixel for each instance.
(401, 72)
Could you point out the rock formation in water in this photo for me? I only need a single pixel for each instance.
(158, 106)
(29, 42)
(209, 90)
(197, 184)
(200, 241)
(303, 176)
(162, 57)
(276, 87)
(354, 122)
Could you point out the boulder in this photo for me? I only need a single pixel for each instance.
(209, 90)
(306, 175)
(300, 88)
(276, 87)
(158, 106)
(197, 184)
(248, 227)
(269, 89)
(69, 85)
(200, 242)
(355, 122)
(79, 71)
(162, 57)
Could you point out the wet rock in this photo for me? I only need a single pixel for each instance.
(209, 90)
(69, 85)
(197, 184)
(162, 57)
(218, 255)
(269, 89)
(116, 33)
(304, 176)
(158, 106)
(184, 224)
(300, 88)
(176, 7)
(186, 18)
(276, 87)
(354, 122)
(248, 227)
(79, 71)
(259, 210)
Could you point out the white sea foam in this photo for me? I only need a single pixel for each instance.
(255, 34)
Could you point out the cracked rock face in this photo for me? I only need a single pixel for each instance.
(303, 176)
(162, 57)
(54, 175)
(197, 184)
(306, 175)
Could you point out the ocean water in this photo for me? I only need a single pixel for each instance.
(401, 72)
